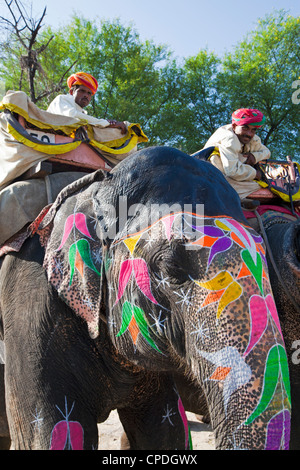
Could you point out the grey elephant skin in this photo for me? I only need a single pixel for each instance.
(143, 272)
(284, 259)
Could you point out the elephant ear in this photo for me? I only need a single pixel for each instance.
(73, 250)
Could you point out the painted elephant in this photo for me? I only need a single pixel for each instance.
(53, 366)
(283, 255)
(280, 227)
(144, 271)
(282, 236)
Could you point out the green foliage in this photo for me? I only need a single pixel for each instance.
(260, 73)
(176, 103)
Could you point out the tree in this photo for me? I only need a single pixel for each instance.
(202, 108)
(177, 103)
(128, 70)
(21, 51)
(134, 76)
(260, 73)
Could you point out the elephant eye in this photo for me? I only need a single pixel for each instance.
(171, 263)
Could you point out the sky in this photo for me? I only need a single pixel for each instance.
(186, 26)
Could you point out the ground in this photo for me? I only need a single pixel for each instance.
(111, 430)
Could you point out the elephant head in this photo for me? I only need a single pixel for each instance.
(160, 250)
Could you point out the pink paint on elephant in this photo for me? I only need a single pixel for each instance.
(67, 435)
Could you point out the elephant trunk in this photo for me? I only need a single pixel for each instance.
(284, 242)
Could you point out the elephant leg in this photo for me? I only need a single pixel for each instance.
(192, 398)
(50, 371)
(48, 402)
(156, 418)
(54, 424)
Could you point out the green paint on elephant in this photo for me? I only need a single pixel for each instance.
(255, 268)
(276, 369)
(134, 320)
(80, 255)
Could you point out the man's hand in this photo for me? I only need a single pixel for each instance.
(118, 125)
(259, 175)
(252, 162)
(250, 158)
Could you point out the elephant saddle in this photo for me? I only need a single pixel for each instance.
(282, 179)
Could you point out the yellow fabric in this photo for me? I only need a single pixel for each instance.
(282, 195)
(60, 149)
(45, 148)
(19, 152)
(66, 129)
(214, 152)
(113, 146)
(110, 146)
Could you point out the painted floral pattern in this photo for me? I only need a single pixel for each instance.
(222, 288)
(66, 434)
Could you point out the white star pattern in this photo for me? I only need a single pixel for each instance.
(95, 222)
(167, 415)
(184, 298)
(149, 242)
(158, 323)
(38, 421)
(161, 280)
(58, 266)
(88, 302)
(235, 445)
(201, 330)
(111, 323)
(98, 257)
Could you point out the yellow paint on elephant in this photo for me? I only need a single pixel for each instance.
(131, 242)
(222, 226)
(220, 281)
(230, 291)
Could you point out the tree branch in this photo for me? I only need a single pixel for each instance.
(56, 88)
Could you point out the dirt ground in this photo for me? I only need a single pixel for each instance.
(111, 430)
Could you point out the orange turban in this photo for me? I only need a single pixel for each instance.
(85, 79)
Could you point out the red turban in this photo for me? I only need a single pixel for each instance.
(85, 79)
(249, 117)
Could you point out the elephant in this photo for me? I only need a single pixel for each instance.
(39, 416)
(128, 278)
(282, 237)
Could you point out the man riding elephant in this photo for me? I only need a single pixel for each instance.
(22, 199)
(238, 149)
(82, 87)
